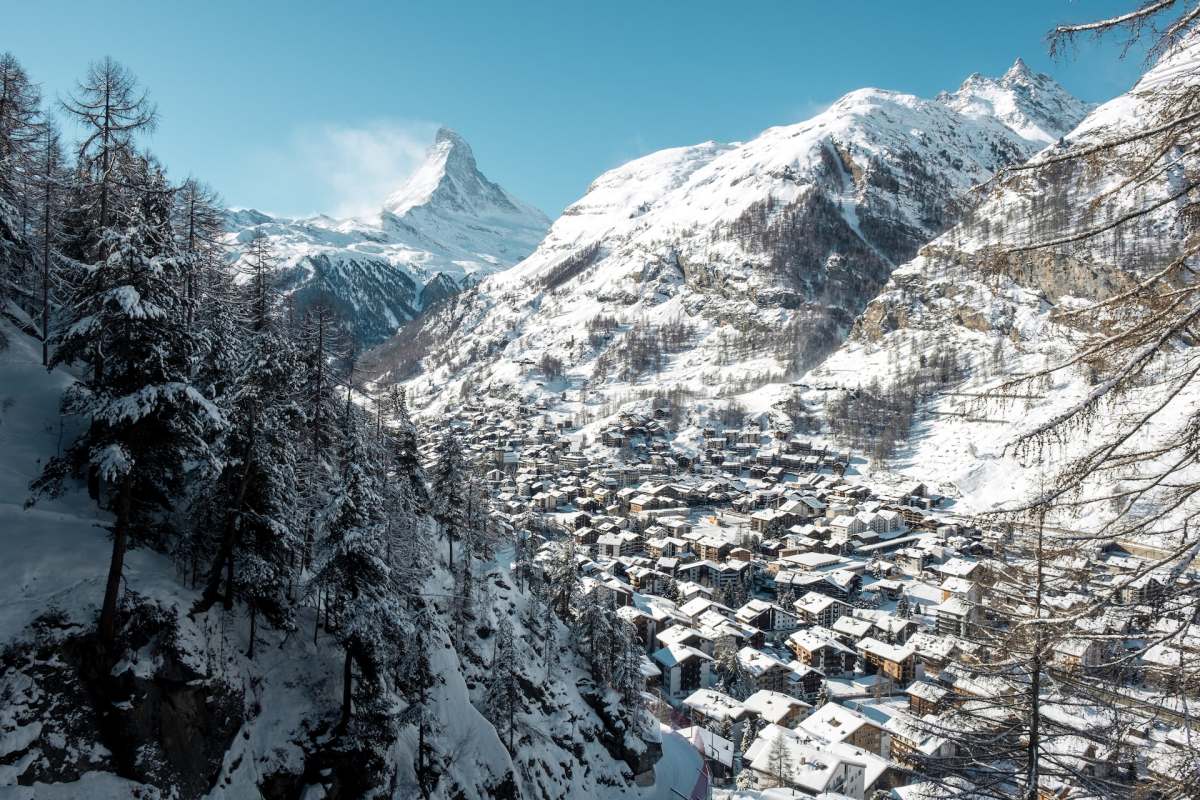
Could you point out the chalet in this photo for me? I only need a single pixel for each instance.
(819, 648)
(850, 629)
(716, 710)
(832, 722)
(767, 617)
(815, 771)
(683, 635)
(912, 740)
(954, 617)
(925, 698)
(897, 663)
(803, 682)
(621, 543)
(776, 708)
(1078, 654)
(766, 671)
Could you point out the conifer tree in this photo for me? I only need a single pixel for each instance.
(147, 422)
(258, 550)
(449, 492)
(111, 109)
(350, 569)
(503, 688)
(48, 180)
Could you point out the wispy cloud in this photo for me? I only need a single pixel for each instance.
(348, 170)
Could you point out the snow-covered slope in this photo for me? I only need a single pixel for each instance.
(723, 266)
(447, 226)
(186, 714)
(1003, 312)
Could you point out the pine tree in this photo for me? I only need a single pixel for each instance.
(503, 689)
(350, 569)
(48, 179)
(258, 550)
(594, 636)
(449, 491)
(21, 129)
(148, 423)
(562, 579)
(627, 677)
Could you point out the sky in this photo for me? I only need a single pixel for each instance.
(302, 107)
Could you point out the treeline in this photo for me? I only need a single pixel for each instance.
(218, 427)
(644, 349)
(875, 419)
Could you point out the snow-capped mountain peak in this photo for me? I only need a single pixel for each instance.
(1033, 105)
(450, 180)
(446, 226)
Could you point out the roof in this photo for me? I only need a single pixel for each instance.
(757, 662)
(715, 705)
(675, 654)
(834, 722)
(890, 652)
(812, 768)
(716, 748)
(773, 707)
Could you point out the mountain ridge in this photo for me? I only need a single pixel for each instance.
(771, 246)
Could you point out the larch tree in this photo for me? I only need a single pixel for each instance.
(112, 110)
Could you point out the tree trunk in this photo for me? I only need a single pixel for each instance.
(253, 630)
(116, 567)
(224, 556)
(347, 691)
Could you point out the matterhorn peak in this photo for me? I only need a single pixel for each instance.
(1019, 71)
(450, 180)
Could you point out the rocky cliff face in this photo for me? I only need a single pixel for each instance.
(723, 266)
(445, 228)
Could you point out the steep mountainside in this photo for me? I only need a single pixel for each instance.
(1003, 313)
(719, 267)
(185, 714)
(446, 227)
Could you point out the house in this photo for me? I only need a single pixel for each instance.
(776, 708)
(803, 681)
(925, 698)
(766, 671)
(815, 771)
(717, 711)
(1078, 654)
(911, 737)
(617, 543)
(683, 635)
(684, 670)
(836, 723)
(718, 751)
(767, 617)
(819, 648)
(897, 663)
(954, 617)
(850, 629)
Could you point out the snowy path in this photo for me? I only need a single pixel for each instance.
(675, 774)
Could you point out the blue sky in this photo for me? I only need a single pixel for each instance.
(300, 107)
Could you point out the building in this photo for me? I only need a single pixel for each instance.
(897, 663)
(684, 670)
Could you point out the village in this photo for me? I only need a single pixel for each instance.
(803, 627)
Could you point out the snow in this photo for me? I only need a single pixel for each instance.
(447, 222)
